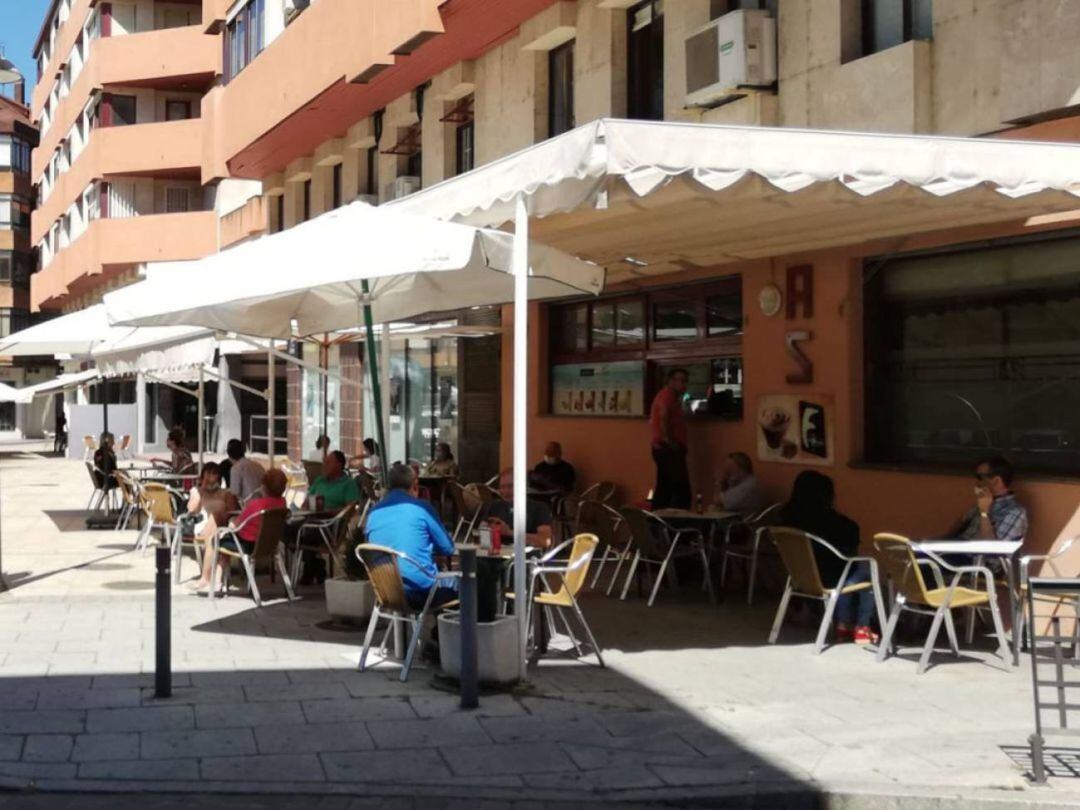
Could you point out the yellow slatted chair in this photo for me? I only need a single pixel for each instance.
(269, 547)
(896, 554)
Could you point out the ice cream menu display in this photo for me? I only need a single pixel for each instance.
(598, 389)
(795, 429)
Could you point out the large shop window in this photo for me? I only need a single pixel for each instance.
(611, 355)
(976, 352)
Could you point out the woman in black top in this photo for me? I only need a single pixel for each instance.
(811, 509)
(105, 463)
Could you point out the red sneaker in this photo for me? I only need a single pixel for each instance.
(864, 635)
(844, 634)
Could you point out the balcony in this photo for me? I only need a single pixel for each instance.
(163, 148)
(111, 246)
(172, 58)
(214, 13)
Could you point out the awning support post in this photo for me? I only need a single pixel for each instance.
(271, 382)
(201, 425)
(521, 393)
(373, 375)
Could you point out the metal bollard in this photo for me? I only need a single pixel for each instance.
(470, 691)
(163, 622)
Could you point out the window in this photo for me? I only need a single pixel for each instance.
(177, 18)
(5, 267)
(335, 181)
(278, 223)
(307, 200)
(177, 110)
(976, 352)
(123, 109)
(244, 37)
(371, 179)
(465, 149)
(561, 89)
(13, 320)
(645, 61)
(699, 329)
(177, 200)
(887, 23)
(718, 8)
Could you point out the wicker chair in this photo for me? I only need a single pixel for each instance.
(269, 547)
(468, 506)
(160, 510)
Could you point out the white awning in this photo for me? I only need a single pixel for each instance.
(668, 196)
(79, 333)
(309, 279)
(64, 382)
(9, 393)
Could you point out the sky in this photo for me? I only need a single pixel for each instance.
(20, 21)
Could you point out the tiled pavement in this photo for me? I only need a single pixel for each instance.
(692, 706)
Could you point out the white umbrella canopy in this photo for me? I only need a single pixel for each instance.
(80, 333)
(9, 393)
(308, 279)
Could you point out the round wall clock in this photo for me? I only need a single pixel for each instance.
(770, 300)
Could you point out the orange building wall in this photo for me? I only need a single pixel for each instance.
(916, 504)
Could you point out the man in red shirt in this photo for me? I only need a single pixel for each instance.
(668, 423)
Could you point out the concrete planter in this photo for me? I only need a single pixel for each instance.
(349, 600)
(496, 648)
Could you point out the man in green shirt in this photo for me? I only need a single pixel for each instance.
(335, 487)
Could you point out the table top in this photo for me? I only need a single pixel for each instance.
(504, 553)
(167, 476)
(986, 548)
(689, 514)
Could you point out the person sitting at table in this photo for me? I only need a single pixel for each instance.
(105, 463)
(538, 515)
(334, 486)
(810, 508)
(405, 523)
(179, 460)
(369, 460)
(245, 474)
(273, 485)
(210, 501)
(737, 488)
(553, 472)
(996, 514)
(443, 464)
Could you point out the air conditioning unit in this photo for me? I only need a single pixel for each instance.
(402, 187)
(735, 51)
(293, 7)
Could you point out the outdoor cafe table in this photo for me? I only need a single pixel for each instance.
(1005, 550)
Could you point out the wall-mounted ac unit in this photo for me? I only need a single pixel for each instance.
(293, 7)
(737, 50)
(402, 187)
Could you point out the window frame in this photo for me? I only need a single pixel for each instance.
(635, 107)
(867, 14)
(561, 58)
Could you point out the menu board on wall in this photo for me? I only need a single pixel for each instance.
(598, 389)
(795, 429)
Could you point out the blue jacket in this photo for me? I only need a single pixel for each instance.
(410, 525)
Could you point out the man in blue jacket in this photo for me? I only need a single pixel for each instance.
(405, 523)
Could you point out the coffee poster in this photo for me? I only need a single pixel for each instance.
(598, 389)
(795, 429)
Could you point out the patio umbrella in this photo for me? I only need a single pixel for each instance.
(372, 264)
(9, 393)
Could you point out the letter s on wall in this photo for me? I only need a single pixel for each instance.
(805, 374)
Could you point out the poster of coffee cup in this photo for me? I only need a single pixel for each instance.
(598, 389)
(795, 429)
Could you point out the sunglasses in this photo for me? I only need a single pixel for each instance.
(983, 476)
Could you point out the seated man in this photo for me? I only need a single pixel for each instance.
(244, 475)
(334, 486)
(737, 488)
(996, 515)
(179, 460)
(405, 523)
(553, 472)
(538, 517)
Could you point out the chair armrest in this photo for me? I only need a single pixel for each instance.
(446, 575)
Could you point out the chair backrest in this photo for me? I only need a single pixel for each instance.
(93, 473)
(466, 501)
(577, 567)
(127, 487)
(159, 503)
(368, 484)
(897, 557)
(381, 564)
(486, 493)
(797, 552)
(597, 518)
(345, 519)
(89, 443)
(642, 529)
(271, 533)
(602, 491)
(125, 442)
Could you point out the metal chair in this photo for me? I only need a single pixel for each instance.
(102, 493)
(562, 599)
(89, 447)
(269, 547)
(468, 506)
(602, 491)
(796, 549)
(1058, 600)
(391, 603)
(130, 498)
(160, 510)
(599, 519)
(897, 556)
(123, 450)
(656, 542)
(331, 534)
(749, 551)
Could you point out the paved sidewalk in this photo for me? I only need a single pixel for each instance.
(693, 706)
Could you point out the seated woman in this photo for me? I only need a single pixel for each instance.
(105, 463)
(179, 460)
(369, 460)
(211, 502)
(273, 484)
(811, 509)
(443, 463)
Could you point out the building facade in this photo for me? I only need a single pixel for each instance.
(326, 102)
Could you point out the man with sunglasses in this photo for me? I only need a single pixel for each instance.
(997, 515)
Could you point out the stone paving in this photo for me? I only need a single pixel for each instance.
(692, 707)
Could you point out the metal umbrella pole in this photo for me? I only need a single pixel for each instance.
(521, 393)
(373, 370)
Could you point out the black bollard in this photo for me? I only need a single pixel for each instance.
(470, 691)
(163, 622)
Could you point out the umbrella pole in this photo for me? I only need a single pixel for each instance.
(521, 392)
(373, 370)
(271, 383)
(200, 419)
